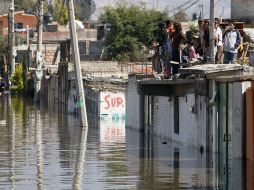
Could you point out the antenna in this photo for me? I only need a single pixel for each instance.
(201, 6)
(222, 12)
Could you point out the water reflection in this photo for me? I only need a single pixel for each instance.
(42, 148)
(79, 165)
(39, 154)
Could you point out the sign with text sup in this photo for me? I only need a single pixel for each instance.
(112, 106)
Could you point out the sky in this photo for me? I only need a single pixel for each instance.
(222, 7)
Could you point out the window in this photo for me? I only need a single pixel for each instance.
(19, 25)
(176, 115)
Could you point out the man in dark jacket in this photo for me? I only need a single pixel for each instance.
(162, 39)
(178, 38)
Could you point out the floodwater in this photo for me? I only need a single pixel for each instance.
(42, 148)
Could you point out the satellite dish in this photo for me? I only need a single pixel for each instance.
(84, 8)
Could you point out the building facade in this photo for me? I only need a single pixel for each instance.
(22, 20)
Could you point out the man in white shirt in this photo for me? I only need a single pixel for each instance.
(231, 42)
(218, 42)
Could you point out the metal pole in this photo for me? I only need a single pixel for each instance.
(12, 37)
(39, 56)
(79, 81)
(211, 33)
(215, 135)
(27, 36)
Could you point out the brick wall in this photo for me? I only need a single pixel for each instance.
(50, 51)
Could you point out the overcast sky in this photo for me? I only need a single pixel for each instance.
(221, 6)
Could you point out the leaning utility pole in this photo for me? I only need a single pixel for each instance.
(211, 32)
(79, 81)
(12, 37)
(39, 55)
(214, 110)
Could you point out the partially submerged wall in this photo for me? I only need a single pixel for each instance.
(158, 114)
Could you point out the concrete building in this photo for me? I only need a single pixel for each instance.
(21, 21)
(242, 9)
(183, 110)
(204, 109)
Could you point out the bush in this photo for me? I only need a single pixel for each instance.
(17, 80)
(191, 33)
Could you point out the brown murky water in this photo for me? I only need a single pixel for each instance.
(45, 149)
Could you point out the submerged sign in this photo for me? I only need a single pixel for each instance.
(112, 106)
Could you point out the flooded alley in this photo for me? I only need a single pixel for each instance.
(43, 148)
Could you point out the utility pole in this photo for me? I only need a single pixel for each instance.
(39, 55)
(211, 32)
(214, 109)
(40, 24)
(79, 81)
(27, 36)
(12, 37)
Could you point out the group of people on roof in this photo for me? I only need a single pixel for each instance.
(172, 48)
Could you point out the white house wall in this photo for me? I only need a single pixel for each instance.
(163, 115)
(133, 108)
(192, 126)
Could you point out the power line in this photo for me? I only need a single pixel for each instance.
(180, 6)
(185, 8)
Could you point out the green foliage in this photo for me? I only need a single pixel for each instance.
(4, 6)
(25, 4)
(3, 53)
(60, 12)
(3, 45)
(132, 29)
(191, 33)
(17, 79)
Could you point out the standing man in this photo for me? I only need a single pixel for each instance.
(201, 46)
(218, 42)
(162, 39)
(231, 41)
(178, 38)
(170, 30)
(206, 41)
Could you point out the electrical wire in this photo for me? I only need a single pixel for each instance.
(180, 6)
(186, 8)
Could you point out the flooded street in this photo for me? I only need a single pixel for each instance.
(45, 149)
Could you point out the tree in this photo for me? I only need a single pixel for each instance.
(4, 6)
(60, 12)
(132, 29)
(25, 5)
